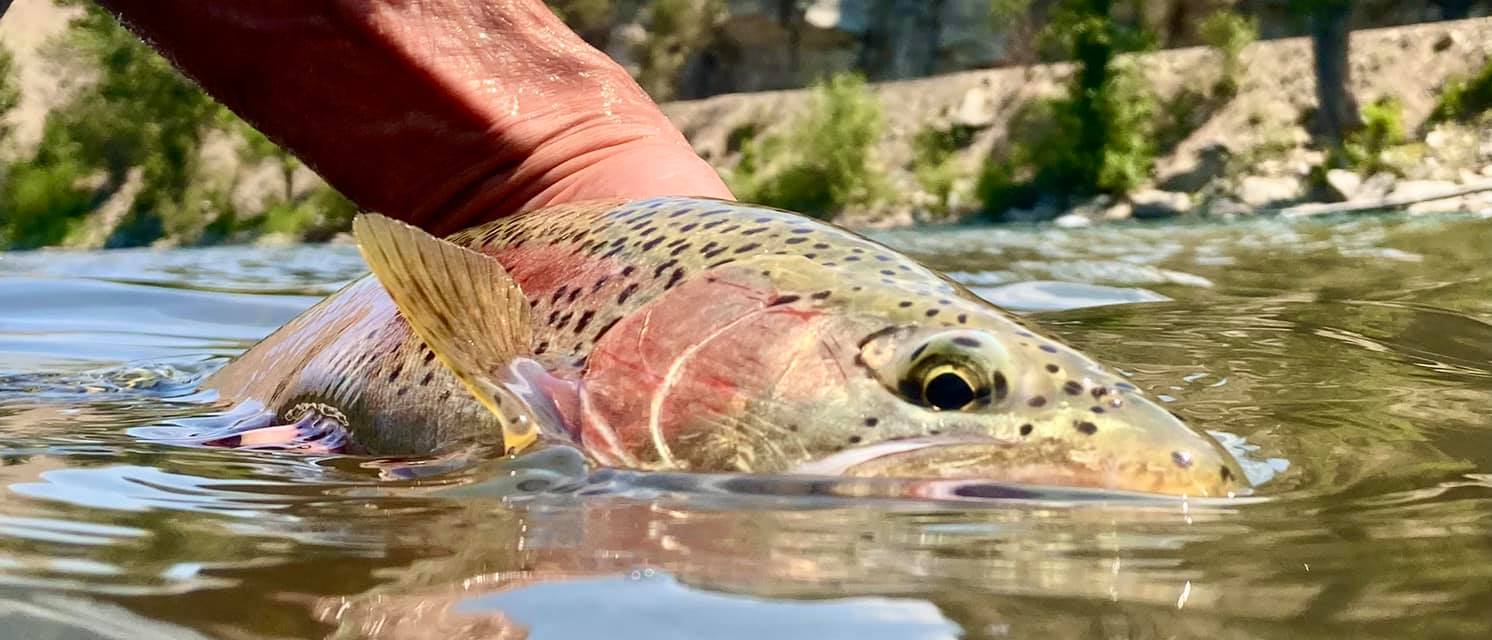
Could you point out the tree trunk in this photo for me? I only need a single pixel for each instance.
(1093, 52)
(1337, 113)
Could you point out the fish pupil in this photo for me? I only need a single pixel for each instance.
(948, 391)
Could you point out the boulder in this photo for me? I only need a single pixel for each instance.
(1415, 189)
(1154, 203)
(1262, 191)
(1227, 208)
(1376, 187)
(1073, 221)
(1343, 184)
(977, 109)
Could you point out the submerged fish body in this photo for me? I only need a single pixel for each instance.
(704, 335)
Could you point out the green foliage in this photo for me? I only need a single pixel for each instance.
(1228, 34)
(10, 94)
(581, 15)
(822, 163)
(676, 29)
(1097, 138)
(1003, 12)
(134, 112)
(1465, 99)
(933, 161)
(1363, 151)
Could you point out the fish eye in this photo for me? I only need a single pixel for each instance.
(948, 387)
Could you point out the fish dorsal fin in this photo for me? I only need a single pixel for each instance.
(465, 307)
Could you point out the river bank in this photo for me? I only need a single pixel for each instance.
(1249, 153)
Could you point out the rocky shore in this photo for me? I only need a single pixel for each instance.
(1252, 153)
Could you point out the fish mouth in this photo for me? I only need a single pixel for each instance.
(1048, 463)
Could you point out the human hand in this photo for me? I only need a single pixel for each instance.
(443, 113)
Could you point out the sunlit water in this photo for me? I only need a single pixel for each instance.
(1350, 361)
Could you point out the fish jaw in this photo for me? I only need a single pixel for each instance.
(1047, 462)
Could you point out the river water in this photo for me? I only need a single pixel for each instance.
(1348, 360)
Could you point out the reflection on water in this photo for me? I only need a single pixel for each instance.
(1351, 360)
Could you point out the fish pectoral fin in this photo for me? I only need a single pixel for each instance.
(465, 307)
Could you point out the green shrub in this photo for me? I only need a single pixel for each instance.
(822, 164)
(1228, 34)
(1046, 153)
(1465, 99)
(1363, 151)
(676, 30)
(933, 161)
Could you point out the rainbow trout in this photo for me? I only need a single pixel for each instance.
(702, 335)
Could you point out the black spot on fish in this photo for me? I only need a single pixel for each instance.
(658, 272)
(626, 293)
(820, 246)
(1048, 348)
(872, 421)
(747, 247)
(887, 272)
(820, 295)
(574, 294)
(678, 275)
(543, 346)
(398, 369)
(585, 319)
(801, 230)
(628, 270)
(904, 304)
(1086, 428)
(1073, 388)
(718, 263)
(1026, 429)
(1037, 401)
(601, 282)
(1227, 474)
(787, 299)
(712, 224)
(429, 355)
(1052, 368)
(966, 341)
(799, 240)
(931, 312)
(429, 376)
(1096, 409)
(753, 231)
(1099, 392)
(855, 439)
(648, 246)
(963, 318)
(679, 249)
(918, 351)
(689, 227)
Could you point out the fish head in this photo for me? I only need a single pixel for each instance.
(786, 365)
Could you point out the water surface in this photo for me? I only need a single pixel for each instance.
(1349, 360)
